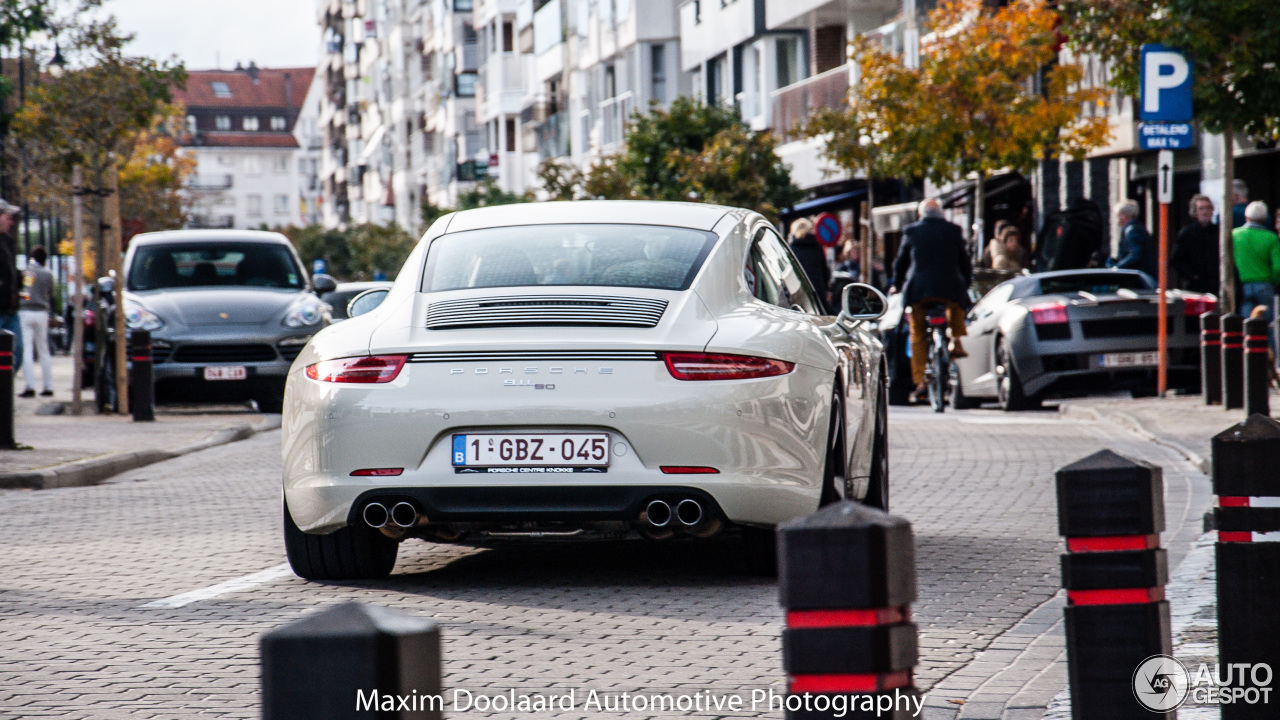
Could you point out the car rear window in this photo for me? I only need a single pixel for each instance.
(1103, 283)
(179, 265)
(646, 256)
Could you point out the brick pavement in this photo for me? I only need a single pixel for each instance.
(610, 616)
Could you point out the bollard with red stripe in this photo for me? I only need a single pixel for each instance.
(846, 578)
(1111, 511)
(1245, 461)
(7, 439)
(1257, 368)
(1232, 362)
(142, 393)
(1211, 358)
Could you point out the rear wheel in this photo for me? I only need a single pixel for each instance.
(834, 488)
(352, 553)
(878, 483)
(269, 395)
(1008, 384)
(939, 375)
(960, 401)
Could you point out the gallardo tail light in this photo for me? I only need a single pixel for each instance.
(1198, 305)
(711, 366)
(370, 369)
(1048, 313)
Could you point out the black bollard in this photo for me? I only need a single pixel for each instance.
(1257, 368)
(142, 388)
(1211, 358)
(1232, 362)
(1245, 457)
(7, 439)
(334, 663)
(1111, 511)
(846, 577)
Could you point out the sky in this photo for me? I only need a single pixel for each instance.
(206, 34)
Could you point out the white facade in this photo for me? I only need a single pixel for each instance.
(245, 188)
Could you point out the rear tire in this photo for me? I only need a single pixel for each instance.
(834, 487)
(1008, 384)
(960, 401)
(760, 551)
(269, 395)
(352, 553)
(878, 484)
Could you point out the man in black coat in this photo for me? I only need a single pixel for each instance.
(933, 268)
(1195, 256)
(812, 257)
(10, 279)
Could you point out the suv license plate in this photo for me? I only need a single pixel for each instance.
(1133, 359)
(529, 450)
(226, 372)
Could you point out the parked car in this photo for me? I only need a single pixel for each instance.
(228, 311)
(341, 296)
(1069, 333)
(594, 368)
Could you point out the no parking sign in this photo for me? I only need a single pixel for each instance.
(827, 227)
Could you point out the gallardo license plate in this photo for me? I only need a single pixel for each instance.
(530, 452)
(1133, 359)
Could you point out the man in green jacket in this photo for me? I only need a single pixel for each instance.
(1257, 254)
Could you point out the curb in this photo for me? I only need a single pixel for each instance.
(91, 471)
(1128, 422)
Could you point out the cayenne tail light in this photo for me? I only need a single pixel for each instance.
(1197, 305)
(369, 369)
(713, 366)
(1048, 313)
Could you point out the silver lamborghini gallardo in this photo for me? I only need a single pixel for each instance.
(587, 368)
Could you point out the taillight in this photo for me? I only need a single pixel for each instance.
(377, 472)
(712, 366)
(1197, 305)
(688, 470)
(1048, 313)
(370, 369)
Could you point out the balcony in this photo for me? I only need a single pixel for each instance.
(792, 104)
(614, 113)
(210, 183)
(216, 222)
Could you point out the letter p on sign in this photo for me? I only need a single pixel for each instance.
(1166, 85)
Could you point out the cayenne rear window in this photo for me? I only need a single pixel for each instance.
(1105, 283)
(645, 256)
(206, 264)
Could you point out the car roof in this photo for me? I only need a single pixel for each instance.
(363, 285)
(1080, 271)
(699, 216)
(208, 236)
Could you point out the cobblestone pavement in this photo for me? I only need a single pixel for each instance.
(81, 563)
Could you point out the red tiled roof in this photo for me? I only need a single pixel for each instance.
(270, 90)
(248, 139)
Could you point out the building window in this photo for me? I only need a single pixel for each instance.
(253, 165)
(787, 55)
(222, 122)
(658, 72)
(278, 123)
(226, 160)
(508, 36)
(465, 84)
(253, 206)
(511, 135)
(697, 12)
(191, 124)
(463, 5)
(221, 89)
(715, 81)
(250, 122)
(280, 164)
(281, 205)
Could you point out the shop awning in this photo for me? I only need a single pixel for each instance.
(823, 204)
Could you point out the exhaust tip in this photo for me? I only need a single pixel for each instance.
(404, 514)
(689, 511)
(375, 515)
(658, 513)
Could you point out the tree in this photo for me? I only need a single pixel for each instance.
(1233, 47)
(355, 253)
(153, 174)
(560, 179)
(739, 168)
(990, 94)
(486, 193)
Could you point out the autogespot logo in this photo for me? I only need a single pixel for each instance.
(1160, 683)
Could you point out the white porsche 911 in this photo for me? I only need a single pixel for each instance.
(593, 368)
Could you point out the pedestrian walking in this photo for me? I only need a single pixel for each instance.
(1137, 251)
(1195, 254)
(812, 256)
(9, 279)
(1256, 249)
(36, 303)
(1240, 200)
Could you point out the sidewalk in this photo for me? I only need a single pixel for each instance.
(66, 450)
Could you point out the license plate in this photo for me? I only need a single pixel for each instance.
(226, 372)
(1132, 359)
(528, 450)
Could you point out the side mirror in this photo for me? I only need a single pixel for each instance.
(366, 301)
(862, 302)
(322, 283)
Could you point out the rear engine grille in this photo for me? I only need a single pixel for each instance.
(1060, 363)
(546, 310)
(533, 356)
(224, 353)
(1053, 331)
(1122, 327)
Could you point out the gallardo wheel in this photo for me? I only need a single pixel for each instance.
(1008, 384)
(352, 553)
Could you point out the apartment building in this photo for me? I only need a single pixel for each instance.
(240, 129)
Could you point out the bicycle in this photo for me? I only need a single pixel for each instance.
(937, 371)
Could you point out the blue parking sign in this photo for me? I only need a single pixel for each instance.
(1165, 91)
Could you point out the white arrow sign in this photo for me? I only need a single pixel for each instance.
(1164, 176)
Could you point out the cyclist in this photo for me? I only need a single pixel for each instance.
(933, 268)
